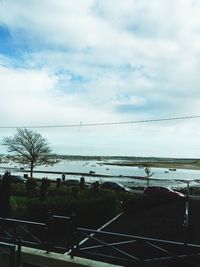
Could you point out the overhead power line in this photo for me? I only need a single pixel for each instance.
(102, 123)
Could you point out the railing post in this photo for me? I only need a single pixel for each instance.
(12, 256)
(73, 241)
(19, 245)
(14, 233)
(48, 231)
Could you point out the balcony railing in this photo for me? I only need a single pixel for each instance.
(59, 234)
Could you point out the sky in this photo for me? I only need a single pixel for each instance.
(77, 62)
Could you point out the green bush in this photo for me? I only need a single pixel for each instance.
(58, 191)
(95, 211)
(90, 209)
(18, 207)
(18, 190)
(32, 187)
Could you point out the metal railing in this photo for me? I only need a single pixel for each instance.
(12, 252)
(61, 231)
(36, 234)
(130, 250)
(59, 234)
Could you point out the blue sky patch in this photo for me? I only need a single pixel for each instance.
(6, 41)
(12, 44)
(151, 107)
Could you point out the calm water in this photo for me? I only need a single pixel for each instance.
(161, 176)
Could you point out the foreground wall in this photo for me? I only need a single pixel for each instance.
(39, 257)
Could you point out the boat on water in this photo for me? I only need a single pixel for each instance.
(172, 169)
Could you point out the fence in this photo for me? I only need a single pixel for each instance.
(43, 236)
(59, 234)
(129, 250)
(10, 254)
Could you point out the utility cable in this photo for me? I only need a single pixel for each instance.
(103, 123)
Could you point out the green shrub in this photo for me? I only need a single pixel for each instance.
(31, 187)
(58, 191)
(18, 207)
(95, 211)
(18, 189)
(89, 209)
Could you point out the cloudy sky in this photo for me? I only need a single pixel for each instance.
(88, 61)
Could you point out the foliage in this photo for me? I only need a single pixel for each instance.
(53, 190)
(18, 207)
(18, 190)
(149, 173)
(45, 183)
(5, 194)
(30, 148)
(31, 187)
(90, 209)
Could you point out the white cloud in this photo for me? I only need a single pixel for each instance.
(82, 60)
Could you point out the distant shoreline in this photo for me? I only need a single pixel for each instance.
(164, 165)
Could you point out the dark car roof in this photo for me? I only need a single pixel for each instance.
(15, 178)
(115, 186)
(157, 188)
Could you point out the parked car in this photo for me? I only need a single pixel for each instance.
(161, 191)
(115, 186)
(16, 179)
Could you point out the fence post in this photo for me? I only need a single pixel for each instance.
(12, 256)
(19, 245)
(14, 233)
(73, 234)
(48, 231)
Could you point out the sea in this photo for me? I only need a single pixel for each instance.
(128, 176)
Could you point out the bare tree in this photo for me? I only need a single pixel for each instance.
(29, 148)
(149, 173)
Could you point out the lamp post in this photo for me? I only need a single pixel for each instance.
(186, 215)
